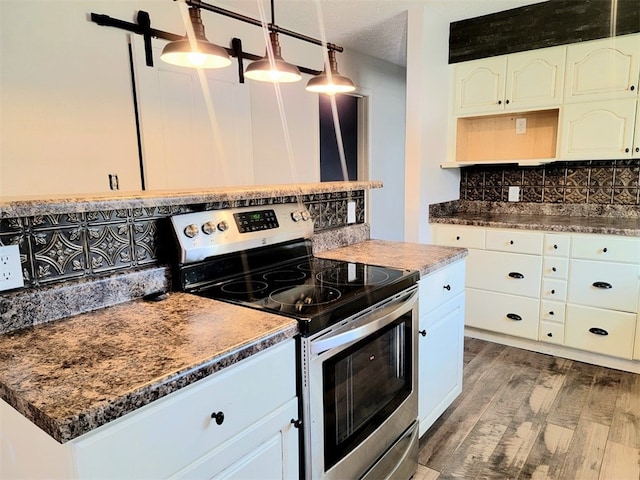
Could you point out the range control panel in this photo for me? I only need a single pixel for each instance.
(202, 235)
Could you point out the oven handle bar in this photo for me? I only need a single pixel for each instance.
(338, 339)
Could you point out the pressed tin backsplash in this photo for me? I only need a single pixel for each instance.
(596, 182)
(59, 247)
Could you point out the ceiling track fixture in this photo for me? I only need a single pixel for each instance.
(194, 50)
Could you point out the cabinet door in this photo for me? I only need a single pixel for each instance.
(480, 86)
(440, 360)
(601, 69)
(597, 130)
(535, 79)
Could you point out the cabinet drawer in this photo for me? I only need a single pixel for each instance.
(556, 245)
(554, 289)
(458, 236)
(441, 286)
(504, 272)
(552, 311)
(551, 332)
(553, 267)
(600, 331)
(169, 434)
(606, 248)
(604, 284)
(497, 312)
(514, 241)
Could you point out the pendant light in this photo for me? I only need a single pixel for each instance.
(331, 82)
(195, 52)
(272, 67)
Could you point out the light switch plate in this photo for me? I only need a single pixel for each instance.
(10, 268)
(514, 194)
(351, 212)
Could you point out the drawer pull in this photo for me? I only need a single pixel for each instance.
(555, 247)
(554, 269)
(517, 275)
(604, 250)
(218, 417)
(510, 242)
(514, 316)
(549, 334)
(599, 331)
(457, 237)
(447, 288)
(422, 332)
(603, 285)
(551, 313)
(296, 423)
(553, 292)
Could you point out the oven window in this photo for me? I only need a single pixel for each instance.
(363, 385)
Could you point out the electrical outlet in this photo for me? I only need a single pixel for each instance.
(514, 194)
(351, 212)
(521, 126)
(10, 268)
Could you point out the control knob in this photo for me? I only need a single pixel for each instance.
(223, 226)
(209, 227)
(296, 215)
(191, 230)
(306, 215)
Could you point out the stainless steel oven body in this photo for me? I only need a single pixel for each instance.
(359, 389)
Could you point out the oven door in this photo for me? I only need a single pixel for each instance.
(361, 390)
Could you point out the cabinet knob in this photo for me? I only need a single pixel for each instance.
(637, 149)
(626, 150)
(554, 269)
(507, 102)
(457, 237)
(552, 313)
(553, 292)
(218, 417)
(447, 288)
(499, 102)
(422, 332)
(549, 334)
(296, 423)
(604, 250)
(633, 87)
(510, 242)
(555, 247)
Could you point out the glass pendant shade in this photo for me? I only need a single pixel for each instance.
(275, 69)
(330, 84)
(197, 52)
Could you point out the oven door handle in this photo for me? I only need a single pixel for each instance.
(340, 338)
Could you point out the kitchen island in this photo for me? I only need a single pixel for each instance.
(79, 377)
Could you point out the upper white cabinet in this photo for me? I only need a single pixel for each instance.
(599, 130)
(527, 80)
(603, 69)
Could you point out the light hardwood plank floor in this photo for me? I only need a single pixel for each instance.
(528, 415)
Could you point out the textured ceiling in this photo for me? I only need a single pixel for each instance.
(375, 27)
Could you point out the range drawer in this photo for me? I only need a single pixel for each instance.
(172, 432)
(458, 236)
(600, 331)
(505, 273)
(604, 284)
(514, 241)
(606, 247)
(556, 245)
(441, 286)
(497, 312)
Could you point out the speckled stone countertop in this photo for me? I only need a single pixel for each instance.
(74, 375)
(410, 256)
(33, 206)
(550, 223)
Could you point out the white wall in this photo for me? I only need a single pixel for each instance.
(427, 121)
(67, 117)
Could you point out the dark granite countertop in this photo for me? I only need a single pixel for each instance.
(407, 255)
(76, 374)
(551, 223)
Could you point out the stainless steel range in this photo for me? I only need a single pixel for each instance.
(358, 322)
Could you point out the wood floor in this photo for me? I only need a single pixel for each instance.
(527, 415)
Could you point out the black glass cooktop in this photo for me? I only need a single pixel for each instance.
(318, 292)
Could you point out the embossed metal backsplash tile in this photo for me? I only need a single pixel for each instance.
(604, 182)
(56, 248)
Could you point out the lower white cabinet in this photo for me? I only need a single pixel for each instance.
(441, 342)
(230, 425)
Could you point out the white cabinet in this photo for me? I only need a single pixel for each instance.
(603, 69)
(237, 420)
(519, 81)
(440, 344)
(577, 290)
(598, 130)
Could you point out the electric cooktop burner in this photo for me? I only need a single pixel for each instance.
(262, 259)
